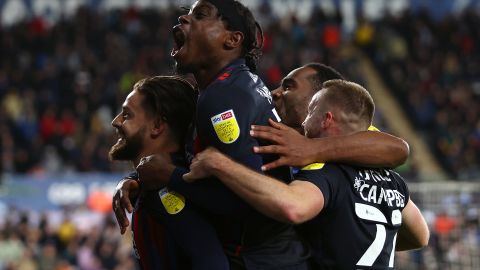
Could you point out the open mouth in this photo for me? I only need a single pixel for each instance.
(179, 40)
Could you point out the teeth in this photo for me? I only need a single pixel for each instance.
(120, 136)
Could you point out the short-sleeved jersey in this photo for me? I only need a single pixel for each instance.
(226, 109)
(360, 219)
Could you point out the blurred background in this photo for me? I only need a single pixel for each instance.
(66, 67)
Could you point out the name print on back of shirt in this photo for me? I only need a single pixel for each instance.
(367, 185)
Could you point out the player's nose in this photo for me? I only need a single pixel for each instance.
(116, 121)
(276, 93)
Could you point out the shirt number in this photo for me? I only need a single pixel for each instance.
(368, 212)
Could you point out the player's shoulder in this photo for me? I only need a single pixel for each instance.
(322, 167)
(250, 84)
(313, 166)
(237, 84)
(318, 170)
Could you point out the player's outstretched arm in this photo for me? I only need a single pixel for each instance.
(294, 203)
(366, 148)
(126, 191)
(413, 233)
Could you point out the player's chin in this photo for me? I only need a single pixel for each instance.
(118, 151)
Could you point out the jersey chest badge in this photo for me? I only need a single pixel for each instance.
(226, 126)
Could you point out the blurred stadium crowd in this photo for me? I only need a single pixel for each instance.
(433, 68)
(61, 85)
(78, 239)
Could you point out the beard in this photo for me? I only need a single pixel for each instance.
(128, 148)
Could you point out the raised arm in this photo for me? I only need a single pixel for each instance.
(296, 202)
(366, 148)
(413, 233)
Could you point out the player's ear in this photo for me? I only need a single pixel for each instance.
(233, 39)
(327, 120)
(158, 127)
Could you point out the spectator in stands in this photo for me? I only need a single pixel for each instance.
(433, 69)
(83, 74)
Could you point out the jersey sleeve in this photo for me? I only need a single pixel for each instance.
(208, 194)
(225, 113)
(323, 176)
(225, 124)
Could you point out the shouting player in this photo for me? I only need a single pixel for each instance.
(217, 42)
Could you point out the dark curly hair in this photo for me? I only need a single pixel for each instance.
(253, 36)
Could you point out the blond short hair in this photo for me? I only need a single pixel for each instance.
(353, 102)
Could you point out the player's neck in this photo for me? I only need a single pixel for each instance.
(165, 148)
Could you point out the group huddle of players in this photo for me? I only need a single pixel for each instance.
(229, 175)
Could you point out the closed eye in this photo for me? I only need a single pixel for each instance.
(199, 15)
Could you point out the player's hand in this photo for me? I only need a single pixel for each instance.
(203, 163)
(125, 192)
(291, 146)
(154, 171)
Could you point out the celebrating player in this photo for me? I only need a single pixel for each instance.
(360, 215)
(372, 149)
(218, 42)
(154, 118)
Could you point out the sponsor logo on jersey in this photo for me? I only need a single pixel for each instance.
(226, 126)
(172, 201)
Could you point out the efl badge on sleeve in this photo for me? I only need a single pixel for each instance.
(172, 201)
(226, 126)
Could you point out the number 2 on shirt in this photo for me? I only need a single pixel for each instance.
(368, 212)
